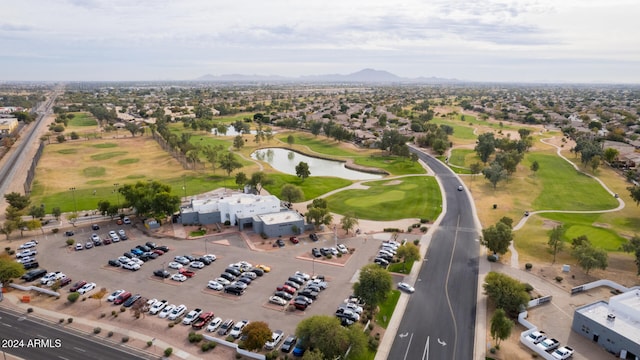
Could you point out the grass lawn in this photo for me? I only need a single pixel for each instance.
(400, 267)
(319, 144)
(312, 187)
(408, 197)
(462, 157)
(387, 308)
(462, 131)
(82, 119)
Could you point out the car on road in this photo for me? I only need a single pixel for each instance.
(548, 344)
(120, 299)
(158, 306)
(288, 343)
(406, 287)
(226, 327)
(276, 337)
(132, 300)
(28, 245)
(277, 300)
(77, 286)
(178, 277)
(214, 324)
(161, 273)
(86, 288)
(202, 320)
(191, 316)
(237, 329)
(115, 294)
(164, 313)
(460, 188)
(562, 353)
(214, 285)
(177, 312)
(294, 240)
(536, 336)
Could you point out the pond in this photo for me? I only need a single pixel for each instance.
(285, 161)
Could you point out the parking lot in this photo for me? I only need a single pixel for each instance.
(91, 265)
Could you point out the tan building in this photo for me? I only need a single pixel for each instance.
(8, 125)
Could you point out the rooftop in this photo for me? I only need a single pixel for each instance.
(624, 308)
(279, 217)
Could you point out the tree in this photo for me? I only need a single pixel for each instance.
(315, 127)
(555, 241)
(373, 285)
(238, 142)
(475, 168)
(259, 180)
(7, 228)
(99, 295)
(257, 333)
(408, 252)
(501, 326)
(324, 333)
(579, 241)
(595, 163)
(212, 153)
(291, 140)
(241, 179)
(590, 257)
(228, 162)
(485, 146)
(291, 193)
(318, 212)
(634, 191)
(348, 221)
(150, 198)
(633, 245)
(497, 238)
(610, 154)
(16, 200)
(302, 170)
(506, 292)
(56, 212)
(494, 173)
(103, 207)
(132, 127)
(36, 212)
(535, 166)
(9, 269)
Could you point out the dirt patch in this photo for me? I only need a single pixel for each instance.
(393, 182)
(550, 224)
(602, 225)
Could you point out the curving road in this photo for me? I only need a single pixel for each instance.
(439, 320)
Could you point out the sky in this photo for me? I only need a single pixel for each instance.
(579, 41)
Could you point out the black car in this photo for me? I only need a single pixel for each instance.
(151, 254)
(257, 271)
(245, 280)
(144, 257)
(95, 227)
(309, 293)
(232, 289)
(300, 304)
(283, 294)
(115, 262)
(233, 271)
(316, 252)
(313, 288)
(130, 301)
(313, 236)
(69, 233)
(30, 265)
(152, 245)
(161, 273)
(97, 242)
(129, 255)
(280, 243)
(143, 248)
(294, 285)
(161, 247)
(204, 260)
(325, 251)
(303, 298)
(226, 275)
(189, 257)
(289, 343)
(33, 274)
(296, 279)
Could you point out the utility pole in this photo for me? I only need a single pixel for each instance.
(75, 204)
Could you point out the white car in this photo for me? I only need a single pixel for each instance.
(137, 261)
(249, 274)
(157, 307)
(196, 265)
(79, 246)
(562, 353)
(214, 324)
(126, 220)
(166, 311)
(305, 276)
(112, 234)
(353, 307)
(28, 252)
(175, 265)
(536, 336)
(122, 233)
(131, 265)
(123, 259)
(178, 277)
(151, 302)
(548, 344)
(406, 287)
(222, 281)
(191, 316)
(181, 259)
(319, 283)
(115, 294)
(49, 277)
(343, 249)
(28, 245)
(276, 337)
(210, 257)
(177, 312)
(277, 300)
(95, 237)
(214, 285)
(333, 251)
(26, 259)
(86, 288)
(237, 328)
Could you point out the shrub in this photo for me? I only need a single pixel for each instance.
(29, 310)
(528, 266)
(55, 230)
(84, 298)
(370, 326)
(69, 320)
(123, 309)
(149, 343)
(416, 242)
(373, 344)
(339, 255)
(11, 252)
(230, 339)
(424, 229)
(70, 241)
(110, 334)
(377, 336)
(73, 297)
(61, 321)
(96, 330)
(263, 235)
(168, 351)
(329, 256)
(171, 324)
(7, 248)
(113, 313)
(559, 278)
(392, 230)
(194, 337)
(424, 221)
(227, 223)
(528, 287)
(125, 339)
(415, 226)
(208, 345)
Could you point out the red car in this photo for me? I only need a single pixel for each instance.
(286, 288)
(202, 320)
(187, 273)
(158, 251)
(122, 298)
(77, 286)
(294, 240)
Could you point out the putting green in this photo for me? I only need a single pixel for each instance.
(94, 171)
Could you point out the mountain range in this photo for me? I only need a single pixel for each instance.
(362, 76)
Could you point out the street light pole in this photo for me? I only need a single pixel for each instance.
(75, 204)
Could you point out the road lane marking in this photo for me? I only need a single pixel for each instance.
(7, 325)
(426, 350)
(408, 346)
(80, 349)
(446, 289)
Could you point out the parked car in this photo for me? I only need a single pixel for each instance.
(197, 265)
(288, 343)
(214, 285)
(407, 288)
(161, 273)
(77, 286)
(27, 252)
(214, 324)
(316, 252)
(562, 353)
(233, 271)
(380, 261)
(181, 260)
(126, 220)
(122, 234)
(177, 312)
(284, 295)
(296, 279)
(178, 277)
(131, 266)
(191, 316)
(536, 336)
(50, 276)
(292, 284)
(249, 274)
(185, 272)
(115, 294)
(28, 245)
(279, 243)
(202, 320)
(299, 349)
(227, 276)
(237, 328)
(226, 327)
(69, 233)
(325, 251)
(86, 288)
(30, 265)
(174, 265)
(245, 279)
(276, 337)
(95, 227)
(161, 247)
(132, 300)
(120, 299)
(313, 236)
(311, 294)
(257, 271)
(294, 240)
(343, 249)
(303, 298)
(277, 300)
(233, 289)
(548, 344)
(286, 288)
(158, 306)
(164, 313)
(222, 281)
(300, 304)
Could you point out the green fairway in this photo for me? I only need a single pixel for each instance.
(407, 197)
(459, 157)
(583, 224)
(320, 145)
(312, 187)
(461, 130)
(392, 164)
(82, 119)
(563, 188)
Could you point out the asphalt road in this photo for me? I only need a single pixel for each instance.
(439, 320)
(35, 340)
